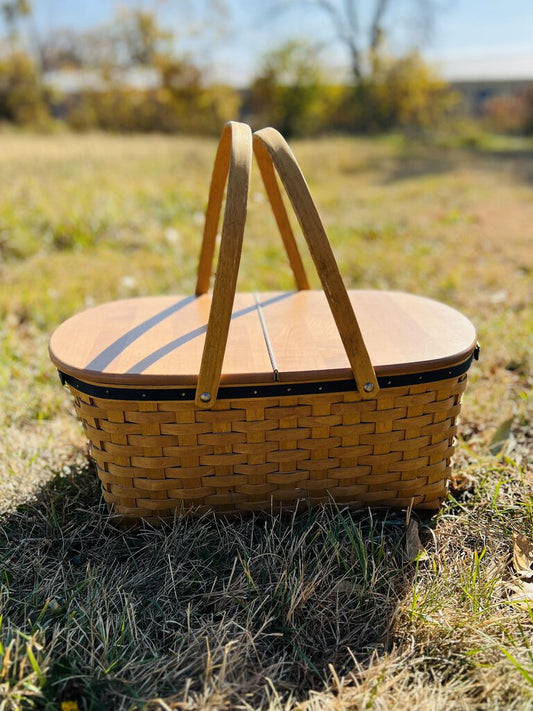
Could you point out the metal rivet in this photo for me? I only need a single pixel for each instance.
(143, 395)
(368, 387)
(205, 397)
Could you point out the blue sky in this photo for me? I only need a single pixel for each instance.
(470, 37)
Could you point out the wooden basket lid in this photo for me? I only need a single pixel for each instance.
(280, 336)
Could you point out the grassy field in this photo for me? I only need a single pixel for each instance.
(325, 610)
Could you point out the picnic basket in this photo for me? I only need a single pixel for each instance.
(244, 402)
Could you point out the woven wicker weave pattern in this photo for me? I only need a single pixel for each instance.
(267, 453)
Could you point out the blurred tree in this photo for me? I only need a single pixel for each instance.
(144, 85)
(133, 39)
(22, 98)
(528, 100)
(364, 40)
(408, 94)
(63, 49)
(512, 113)
(139, 38)
(385, 91)
(125, 74)
(289, 91)
(22, 30)
(12, 11)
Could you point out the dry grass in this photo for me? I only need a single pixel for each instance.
(323, 610)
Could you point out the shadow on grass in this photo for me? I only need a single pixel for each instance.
(414, 163)
(519, 162)
(417, 161)
(200, 607)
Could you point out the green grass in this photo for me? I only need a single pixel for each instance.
(321, 610)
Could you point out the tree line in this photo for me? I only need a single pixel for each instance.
(128, 76)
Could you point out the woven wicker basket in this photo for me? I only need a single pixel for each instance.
(240, 402)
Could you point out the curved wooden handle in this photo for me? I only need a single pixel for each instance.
(271, 148)
(212, 217)
(282, 220)
(232, 162)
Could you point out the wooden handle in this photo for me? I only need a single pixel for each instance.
(271, 148)
(212, 216)
(232, 162)
(280, 213)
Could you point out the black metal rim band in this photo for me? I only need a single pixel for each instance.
(237, 392)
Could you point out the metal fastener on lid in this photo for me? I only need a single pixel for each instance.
(368, 387)
(205, 397)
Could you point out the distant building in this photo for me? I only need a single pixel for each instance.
(75, 81)
(477, 93)
(480, 75)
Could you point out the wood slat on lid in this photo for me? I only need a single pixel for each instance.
(158, 341)
(404, 333)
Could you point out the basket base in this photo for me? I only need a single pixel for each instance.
(274, 454)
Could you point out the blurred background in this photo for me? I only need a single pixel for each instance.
(305, 66)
